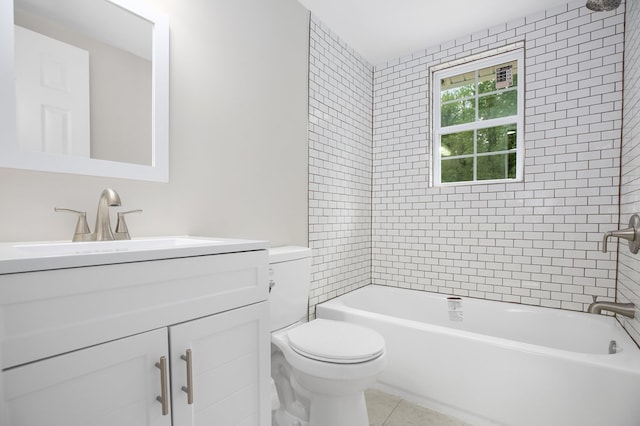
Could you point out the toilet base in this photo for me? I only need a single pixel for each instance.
(340, 410)
(284, 418)
(326, 410)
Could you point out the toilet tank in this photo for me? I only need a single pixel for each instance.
(290, 282)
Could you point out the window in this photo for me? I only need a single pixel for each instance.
(478, 121)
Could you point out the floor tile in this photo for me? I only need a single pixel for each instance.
(390, 410)
(380, 405)
(408, 414)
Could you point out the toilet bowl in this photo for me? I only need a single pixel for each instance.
(321, 367)
(331, 363)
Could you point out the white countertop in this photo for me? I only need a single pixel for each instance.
(39, 256)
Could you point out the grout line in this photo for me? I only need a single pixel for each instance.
(391, 413)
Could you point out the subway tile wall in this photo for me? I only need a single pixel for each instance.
(340, 165)
(534, 242)
(374, 217)
(629, 264)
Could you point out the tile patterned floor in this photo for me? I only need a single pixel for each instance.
(391, 410)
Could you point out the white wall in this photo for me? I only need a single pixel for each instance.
(238, 141)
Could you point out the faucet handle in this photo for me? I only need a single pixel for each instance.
(631, 234)
(82, 232)
(122, 232)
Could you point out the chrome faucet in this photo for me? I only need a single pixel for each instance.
(626, 309)
(102, 231)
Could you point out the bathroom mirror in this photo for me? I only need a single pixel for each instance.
(84, 88)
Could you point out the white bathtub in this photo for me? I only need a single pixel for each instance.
(494, 363)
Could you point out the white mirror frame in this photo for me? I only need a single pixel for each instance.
(12, 157)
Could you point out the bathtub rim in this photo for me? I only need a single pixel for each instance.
(627, 359)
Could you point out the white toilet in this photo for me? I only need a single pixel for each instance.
(322, 367)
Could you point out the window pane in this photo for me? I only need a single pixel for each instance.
(458, 86)
(456, 144)
(471, 146)
(501, 166)
(501, 104)
(500, 138)
(456, 170)
(506, 74)
(457, 113)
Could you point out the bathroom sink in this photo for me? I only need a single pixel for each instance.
(68, 248)
(37, 256)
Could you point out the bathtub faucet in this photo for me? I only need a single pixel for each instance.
(626, 309)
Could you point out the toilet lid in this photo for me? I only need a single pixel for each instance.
(336, 341)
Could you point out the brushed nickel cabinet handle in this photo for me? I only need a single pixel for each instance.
(164, 392)
(189, 388)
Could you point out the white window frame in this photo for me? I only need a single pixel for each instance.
(472, 65)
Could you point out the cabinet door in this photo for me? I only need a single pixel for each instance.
(230, 369)
(114, 383)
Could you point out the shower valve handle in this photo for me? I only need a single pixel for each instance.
(632, 234)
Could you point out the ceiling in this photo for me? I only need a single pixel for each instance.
(386, 29)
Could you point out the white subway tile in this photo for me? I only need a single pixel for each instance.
(520, 242)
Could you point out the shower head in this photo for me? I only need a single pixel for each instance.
(602, 5)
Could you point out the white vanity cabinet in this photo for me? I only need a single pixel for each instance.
(229, 358)
(108, 384)
(83, 346)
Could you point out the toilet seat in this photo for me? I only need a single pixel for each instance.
(336, 342)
